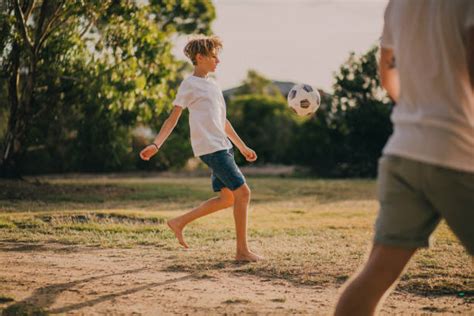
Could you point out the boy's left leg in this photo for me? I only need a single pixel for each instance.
(382, 269)
(177, 224)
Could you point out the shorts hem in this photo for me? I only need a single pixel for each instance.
(233, 188)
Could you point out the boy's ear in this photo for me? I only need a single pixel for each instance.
(199, 57)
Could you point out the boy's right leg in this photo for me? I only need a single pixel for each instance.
(406, 220)
(241, 205)
(177, 224)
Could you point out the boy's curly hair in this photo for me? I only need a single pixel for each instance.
(202, 44)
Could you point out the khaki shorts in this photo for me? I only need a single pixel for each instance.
(414, 197)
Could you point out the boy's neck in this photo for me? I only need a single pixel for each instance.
(198, 72)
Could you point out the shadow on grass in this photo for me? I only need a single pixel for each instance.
(21, 190)
(223, 265)
(13, 192)
(24, 246)
(43, 297)
(113, 296)
(23, 309)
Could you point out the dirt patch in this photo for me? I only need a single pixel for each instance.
(85, 280)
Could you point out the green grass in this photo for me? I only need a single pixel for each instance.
(314, 232)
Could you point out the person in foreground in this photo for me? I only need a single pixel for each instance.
(426, 172)
(210, 133)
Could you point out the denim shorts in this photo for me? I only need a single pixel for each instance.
(414, 196)
(225, 172)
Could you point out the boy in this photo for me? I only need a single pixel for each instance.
(427, 169)
(210, 133)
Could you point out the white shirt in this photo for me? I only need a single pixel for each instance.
(434, 118)
(207, 114)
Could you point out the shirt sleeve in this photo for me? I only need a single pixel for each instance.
(386, 40)
(184, 95)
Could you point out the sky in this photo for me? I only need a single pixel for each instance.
(303, 41)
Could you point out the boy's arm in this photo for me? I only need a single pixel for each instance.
(389, 74)
(165, 131)
(248, 153)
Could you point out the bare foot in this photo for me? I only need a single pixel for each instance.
(178, 232)
(248, 257)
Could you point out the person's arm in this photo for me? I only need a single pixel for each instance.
(470, 55)
(248, 153)
(389, 73)
(165, 131)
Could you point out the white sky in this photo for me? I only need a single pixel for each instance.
(292, 40)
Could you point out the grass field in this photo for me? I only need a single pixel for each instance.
(312, 232)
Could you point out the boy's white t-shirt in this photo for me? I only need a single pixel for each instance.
(207, 114)
(434, 118)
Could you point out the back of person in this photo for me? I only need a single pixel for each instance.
(427, 171)
(434, 118)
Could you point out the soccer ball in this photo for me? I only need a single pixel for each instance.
(303, 99)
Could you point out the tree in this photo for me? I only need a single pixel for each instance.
(266, 124)
(362, 114)
(112, 57)
(255, 83)
(346, 138)
(258, 111)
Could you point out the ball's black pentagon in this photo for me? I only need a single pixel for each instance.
(292, 94)
(307, 88)
(305, 103)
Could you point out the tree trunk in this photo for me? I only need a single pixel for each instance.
(21, 86)
(20, 105)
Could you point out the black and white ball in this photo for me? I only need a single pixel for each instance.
(303, 99)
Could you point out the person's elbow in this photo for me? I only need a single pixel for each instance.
(389, 79)
(386, 81)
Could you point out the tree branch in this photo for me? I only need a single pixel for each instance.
(50, 28)
(87, 28)
(45, 15)
(29, 9)
(39, 24)
(22, 26)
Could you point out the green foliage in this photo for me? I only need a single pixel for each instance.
(316, 143)
(362, 114)
(265, 123)
(175, 152)
(256, 83)
(107, 68)
(346, 138)
(259, 114)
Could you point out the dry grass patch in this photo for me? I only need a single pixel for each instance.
(312, 232)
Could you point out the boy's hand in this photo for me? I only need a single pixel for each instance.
(249, 154)
(148, 152)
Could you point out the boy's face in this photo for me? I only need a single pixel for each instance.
(208, 63)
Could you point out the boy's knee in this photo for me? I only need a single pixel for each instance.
(243, 192)
(227, 198)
